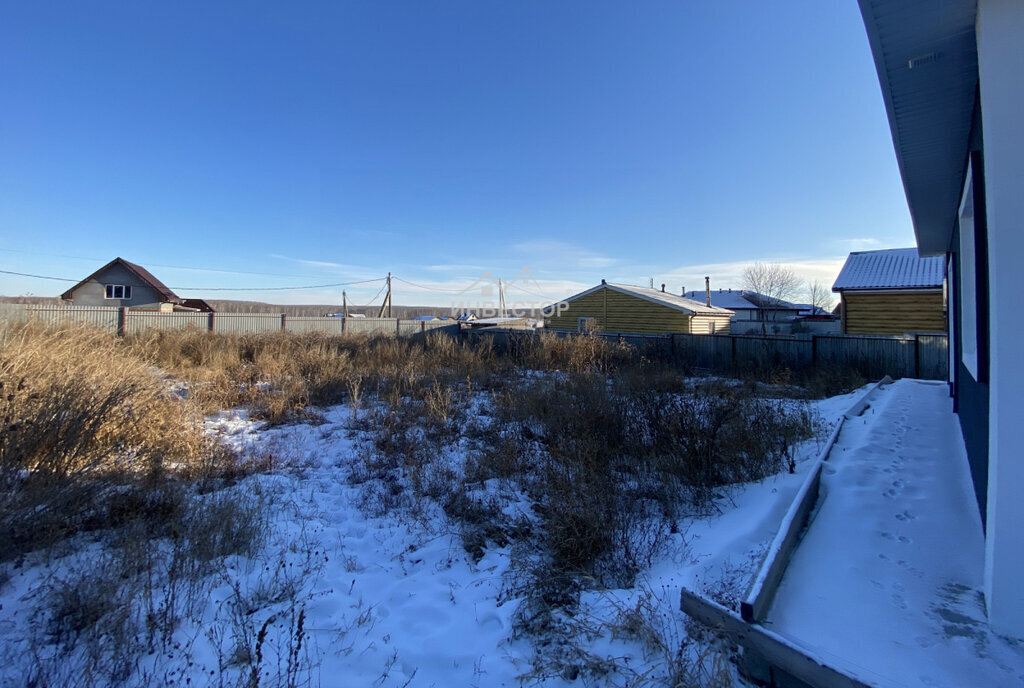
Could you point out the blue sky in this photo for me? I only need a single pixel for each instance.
(255, 145)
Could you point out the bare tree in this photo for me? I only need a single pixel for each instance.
(819, 296)
(775, 284)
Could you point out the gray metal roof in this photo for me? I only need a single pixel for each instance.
(675, 301)
(896, 268)
(741, 300)
(927, 62)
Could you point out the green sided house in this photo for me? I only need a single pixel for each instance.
(625, 309)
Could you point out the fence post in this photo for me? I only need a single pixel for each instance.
(917, 356)
(284, 320)
(423, 327)
(732, 357)
(814, 350)
(122, 317)
(343, 321)
(210, 326)
(398, 327)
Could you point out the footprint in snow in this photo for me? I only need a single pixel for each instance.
(905, 516)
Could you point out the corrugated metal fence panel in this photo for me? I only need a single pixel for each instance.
(326, 325)
(407, 327)
(370, 326)
(703, 351)
(137, 321)
(659, 344)
(99, 316)
(246, 323)
(445, 326)
(12, 313)
(774, 352)
(933, 356)
(874, 357)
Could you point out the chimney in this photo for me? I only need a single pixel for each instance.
(707, 291)
(684, 291)
(603, 282)
(662, 287)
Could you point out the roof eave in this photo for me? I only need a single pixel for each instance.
(931, 125)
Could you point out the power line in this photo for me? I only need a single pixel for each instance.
(25, 274)
(379, 292)
(311, 286)
(517, 287)
(508, 285)
(425, 288)
(155, 265)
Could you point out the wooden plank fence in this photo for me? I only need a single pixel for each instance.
(916, 355)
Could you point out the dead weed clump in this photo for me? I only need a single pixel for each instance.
(89, 435)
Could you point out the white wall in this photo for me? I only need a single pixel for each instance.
(1000, 28)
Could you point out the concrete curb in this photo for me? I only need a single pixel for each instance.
(766, 582)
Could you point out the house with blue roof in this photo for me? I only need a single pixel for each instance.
(892, 291)
(754, 313)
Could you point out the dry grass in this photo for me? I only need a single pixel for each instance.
(283, 375)
(73, 401)
(94, 441)
(611, 447)
(90, 434)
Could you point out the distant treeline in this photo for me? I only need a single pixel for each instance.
(311, 310)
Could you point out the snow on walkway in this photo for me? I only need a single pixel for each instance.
(887, 580)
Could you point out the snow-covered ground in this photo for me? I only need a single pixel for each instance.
(887, 580)
(394, 599)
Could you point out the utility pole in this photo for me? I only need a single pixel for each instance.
(386, 306)
(501, 298)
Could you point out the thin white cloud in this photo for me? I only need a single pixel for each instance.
(354, 271)
(547, 251)
(454, 267)
(730, 275)
(857, 244)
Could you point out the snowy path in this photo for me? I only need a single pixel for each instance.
(887, 581)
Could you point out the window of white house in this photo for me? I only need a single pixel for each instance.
(968, 281)
(118, 291)
(586, 324)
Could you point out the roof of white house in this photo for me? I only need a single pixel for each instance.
(895, 268)
(675, 301)
(741, 300)
(927, 62)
